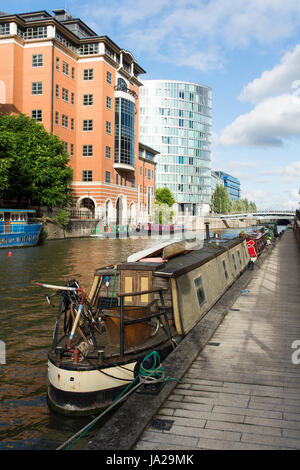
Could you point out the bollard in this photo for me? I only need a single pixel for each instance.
(207, 230)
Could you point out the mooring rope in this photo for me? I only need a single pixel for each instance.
(153, 374)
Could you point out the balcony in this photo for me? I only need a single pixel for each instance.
(124, 167)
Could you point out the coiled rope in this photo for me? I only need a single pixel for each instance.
(153, 374)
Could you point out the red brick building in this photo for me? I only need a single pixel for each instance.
(85, 89)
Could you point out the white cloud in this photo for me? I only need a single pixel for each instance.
(194, 33)
(288, 173)
(273, 200)
(277, 81)
(267, 124)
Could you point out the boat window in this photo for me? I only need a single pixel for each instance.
(234, 263)
(239, 257)
(225, 269)
(200, 290)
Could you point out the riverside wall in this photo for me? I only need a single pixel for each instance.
(217, 223)
(84, 228)
(74, 229)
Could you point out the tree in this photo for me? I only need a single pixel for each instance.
(34, 163)
(161, 209)
(221, 202)
(164, 196)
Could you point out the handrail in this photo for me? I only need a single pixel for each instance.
(142, 292)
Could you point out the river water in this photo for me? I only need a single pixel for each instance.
(27, 323)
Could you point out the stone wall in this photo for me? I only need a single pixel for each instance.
(217, 223)
(74, 229)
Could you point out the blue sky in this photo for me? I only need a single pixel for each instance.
(247, 51)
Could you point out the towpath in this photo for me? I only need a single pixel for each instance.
(243, 390)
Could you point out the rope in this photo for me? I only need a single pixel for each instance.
(152, 375)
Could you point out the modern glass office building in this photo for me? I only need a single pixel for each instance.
(175, 119)
(231, 183)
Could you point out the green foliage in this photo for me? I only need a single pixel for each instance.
(164, 196)
(62, 218)
(221, 202)
(243, 205)
(161, 213)
(34, 163)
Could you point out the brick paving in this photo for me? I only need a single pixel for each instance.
(243, 391)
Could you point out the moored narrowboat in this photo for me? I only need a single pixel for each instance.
(16, 230)
(256, 243)
(148, 303)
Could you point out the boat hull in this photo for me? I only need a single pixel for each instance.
(27, 235)
(83, 391)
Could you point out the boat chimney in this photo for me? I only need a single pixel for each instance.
(207, 230)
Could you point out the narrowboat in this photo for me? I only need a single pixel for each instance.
(148, 303)
(256, 243)
(16, 230)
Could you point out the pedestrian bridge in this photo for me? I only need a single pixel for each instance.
(261, 215)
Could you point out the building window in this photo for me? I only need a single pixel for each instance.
(36, 32)
(108, 102)
(57, 117)
(73, 73)
(72, 124)
(87, 125)
(57, 63)
(37, 114)
(37, 60)
(65, 95)
(117, 178)
(108, 77)
(72, 98)
(124, 131)
(72, 150)
(149, 174)
(64, 121)
(4, 28)
(65, 68)
(37, 88)
(87, 150)
(132, 182)
(108, 127)
(239, 257)
(57, 91)
(107, 152)
(88, 100)
(66, 146)
(87, 49)
(87, 175)
(107, 176)
(88, 74)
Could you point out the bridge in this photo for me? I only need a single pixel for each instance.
(261, 215)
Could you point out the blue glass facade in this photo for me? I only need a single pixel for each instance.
(231, 183)
(175, 119)
(124, 131)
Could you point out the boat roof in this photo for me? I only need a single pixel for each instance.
(183, 262)
(17, 210)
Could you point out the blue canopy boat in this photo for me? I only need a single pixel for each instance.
(15, 230)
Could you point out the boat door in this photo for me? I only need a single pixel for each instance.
(6, 222)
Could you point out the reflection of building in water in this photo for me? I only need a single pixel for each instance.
(85, 89)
